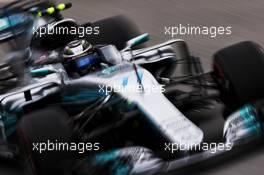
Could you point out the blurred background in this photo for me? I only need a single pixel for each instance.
(244, 16)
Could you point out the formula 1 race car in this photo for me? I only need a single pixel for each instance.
(96, 108)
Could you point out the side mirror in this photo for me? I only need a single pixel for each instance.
(136, 41)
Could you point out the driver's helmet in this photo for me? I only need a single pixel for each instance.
(76, 48)
(80, 56)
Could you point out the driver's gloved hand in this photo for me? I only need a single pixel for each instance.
(127, 161)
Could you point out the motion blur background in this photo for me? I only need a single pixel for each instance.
(244, 16)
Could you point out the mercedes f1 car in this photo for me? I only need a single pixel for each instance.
(98, 108)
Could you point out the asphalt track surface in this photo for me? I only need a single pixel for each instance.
(244, 16)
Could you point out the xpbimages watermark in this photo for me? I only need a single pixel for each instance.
(60, 146)
(212, 147)
(147, 89)
(60, 30)
(211, 31)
